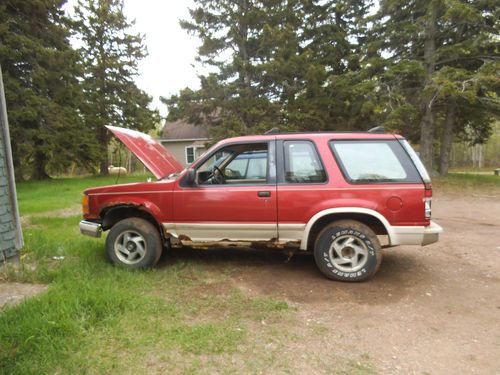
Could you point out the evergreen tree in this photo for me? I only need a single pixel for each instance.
(110, 54)
(40, 75)
(230, 98)
(450, 54)
(275, 63)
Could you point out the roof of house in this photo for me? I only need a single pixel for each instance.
(182, 130)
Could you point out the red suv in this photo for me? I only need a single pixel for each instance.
(342, 196)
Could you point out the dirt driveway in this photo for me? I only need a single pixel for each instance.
(431, 310)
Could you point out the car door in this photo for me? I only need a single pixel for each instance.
(239, 207)
(302, 184)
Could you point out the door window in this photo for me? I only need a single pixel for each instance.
(236, 164)
(302, 163)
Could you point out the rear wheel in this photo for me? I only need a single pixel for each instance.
(134, 243)
(347, 250)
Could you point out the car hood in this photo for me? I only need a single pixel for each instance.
(154, 156)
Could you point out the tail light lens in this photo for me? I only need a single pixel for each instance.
(85, 205)
(428, 201)
(428, 210)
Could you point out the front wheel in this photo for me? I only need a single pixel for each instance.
(347, 250)
(134, 243)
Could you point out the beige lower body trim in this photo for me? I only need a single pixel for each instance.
(291, 232)
(222, 232)
(415, 235)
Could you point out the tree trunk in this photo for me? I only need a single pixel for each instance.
(427, 123)
(103, 140)
(446, 139)
(427, 137)
(16, 160)
(39, 164)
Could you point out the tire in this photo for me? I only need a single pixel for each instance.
(347, 250)
(134, 243)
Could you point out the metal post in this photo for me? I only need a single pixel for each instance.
(4, 124)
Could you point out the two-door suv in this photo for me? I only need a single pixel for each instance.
(342, 196)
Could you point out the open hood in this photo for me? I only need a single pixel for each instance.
(155, 157)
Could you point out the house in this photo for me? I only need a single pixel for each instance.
(184, 140)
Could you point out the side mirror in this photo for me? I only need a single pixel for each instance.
(191, 176)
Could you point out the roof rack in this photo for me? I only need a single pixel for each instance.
(272, 131)
(377, 129)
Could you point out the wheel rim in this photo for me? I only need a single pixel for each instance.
(130, 247)
(348, 253)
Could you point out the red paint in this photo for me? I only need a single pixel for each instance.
(154, 156)
(170, 202)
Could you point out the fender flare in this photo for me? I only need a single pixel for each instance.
(345, 210)
(149, 209)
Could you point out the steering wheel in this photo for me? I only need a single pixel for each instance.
(218, 178)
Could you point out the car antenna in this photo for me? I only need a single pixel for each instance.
(272, 131)
(377, 129)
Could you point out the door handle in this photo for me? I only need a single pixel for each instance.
(264, 194)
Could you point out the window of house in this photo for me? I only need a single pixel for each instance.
(190, 154)
(302, 163)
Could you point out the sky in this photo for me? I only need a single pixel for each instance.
(169, 65)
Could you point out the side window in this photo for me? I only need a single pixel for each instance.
(249, 166)
(374, 161)
(237, 169)
(302, 163)
(236, 164)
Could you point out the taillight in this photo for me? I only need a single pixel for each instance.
(428, 201)
(85, 205)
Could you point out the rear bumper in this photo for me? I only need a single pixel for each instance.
(413, 235)
(91, 229)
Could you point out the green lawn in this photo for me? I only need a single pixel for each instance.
(468, 183)
(95, 318)
(45, 196)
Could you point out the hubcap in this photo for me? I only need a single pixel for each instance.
(130, 247)
(348, 253)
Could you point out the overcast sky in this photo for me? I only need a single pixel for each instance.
(169, 65)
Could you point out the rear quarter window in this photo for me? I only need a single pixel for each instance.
(374, 161)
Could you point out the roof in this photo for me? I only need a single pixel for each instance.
(313, 135)
(183, 130)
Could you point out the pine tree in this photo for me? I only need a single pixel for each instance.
(447, 49)
(110, 54)
(275, 62)
(40, 74)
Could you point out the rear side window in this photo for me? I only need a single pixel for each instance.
(374, 161)
(302, 163)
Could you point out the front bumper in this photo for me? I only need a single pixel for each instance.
(91, 229)
(414, 235)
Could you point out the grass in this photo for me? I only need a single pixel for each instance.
(468, 182)
(45, 196)
(96, 318)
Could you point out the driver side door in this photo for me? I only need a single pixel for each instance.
(238, 207)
